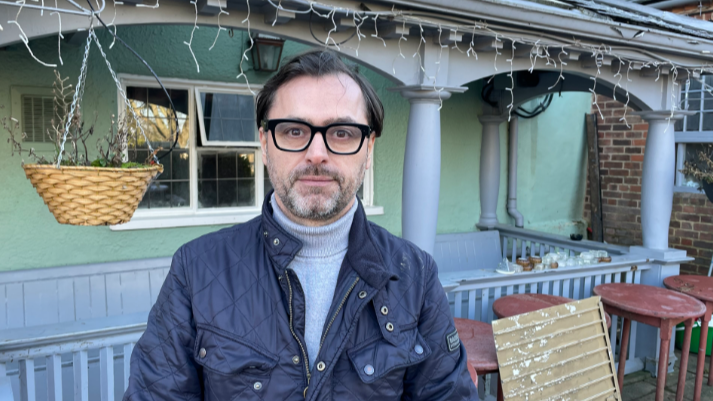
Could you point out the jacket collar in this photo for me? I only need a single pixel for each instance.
(363, 255)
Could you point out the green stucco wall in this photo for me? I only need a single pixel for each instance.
(551, 151)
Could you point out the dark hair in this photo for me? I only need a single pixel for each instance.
(318, 63)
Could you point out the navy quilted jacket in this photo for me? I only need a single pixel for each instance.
(229, 323)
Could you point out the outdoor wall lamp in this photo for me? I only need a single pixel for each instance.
(267, 51)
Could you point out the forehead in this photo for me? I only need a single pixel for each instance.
(320, 99)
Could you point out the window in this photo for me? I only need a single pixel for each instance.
(227, 118)
(37, 115)
(694, 133)
(34, 108)
(215, 173)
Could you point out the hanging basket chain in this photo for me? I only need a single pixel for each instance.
(93, 35)
(170, 101)
(79, 88)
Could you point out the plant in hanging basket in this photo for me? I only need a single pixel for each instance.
(701, 169)
(77, 190)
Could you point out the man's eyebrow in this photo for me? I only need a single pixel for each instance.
(344, 119)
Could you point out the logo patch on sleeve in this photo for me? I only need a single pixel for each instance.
(453, 341)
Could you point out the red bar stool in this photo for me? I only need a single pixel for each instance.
(518, 304)
(656, 307)
(477, 338)
(701, 288)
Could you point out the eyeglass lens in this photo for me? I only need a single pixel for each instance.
(339, 138)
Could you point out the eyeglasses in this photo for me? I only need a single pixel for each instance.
(296, 135)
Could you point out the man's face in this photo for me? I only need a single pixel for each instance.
(316, 186)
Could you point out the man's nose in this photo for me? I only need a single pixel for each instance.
(317, 153)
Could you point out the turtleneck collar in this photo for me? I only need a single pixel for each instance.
(317, 241)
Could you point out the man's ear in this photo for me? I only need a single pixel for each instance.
(370, 150)
(263, 145)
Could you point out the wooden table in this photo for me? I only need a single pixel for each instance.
(518, 304)
(657, 307)
(701, 288)
(477, 338)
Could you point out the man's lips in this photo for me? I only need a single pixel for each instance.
(316, 180)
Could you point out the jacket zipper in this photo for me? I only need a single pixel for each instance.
(344, 300)
(324, 336)
(304, 354)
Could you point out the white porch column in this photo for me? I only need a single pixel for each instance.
(422, 166)
(659, 171)
(657, 180)
(490, 169)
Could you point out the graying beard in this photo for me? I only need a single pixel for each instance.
(289, 197)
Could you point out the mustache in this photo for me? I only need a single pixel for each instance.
(315, 171)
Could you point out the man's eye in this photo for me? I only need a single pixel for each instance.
(343, 134)
(294, 132)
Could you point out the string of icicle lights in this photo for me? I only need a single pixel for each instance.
(539, 53)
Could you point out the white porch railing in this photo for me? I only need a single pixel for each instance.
(520, 241)
(70, 357)
(86, 359)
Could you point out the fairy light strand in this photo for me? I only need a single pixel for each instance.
(245, 52)
(401, 54)
(376, 30)
(220, 28)
(190, 43)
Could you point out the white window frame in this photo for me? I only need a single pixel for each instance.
(16, 94)
(204, 136)
(192, 215)
(683, 138)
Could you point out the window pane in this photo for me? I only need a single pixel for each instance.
(707, 121)
(227, 193)
(181, 194)
(695, 85)
(172, 188)
(227, 165)
(693, 122)
(246, 165)
(226, 178)
(707, 101)
(229, 117)
(694, 104)
(693, 152)
(246, 192)
(207, 167)
(207, 193)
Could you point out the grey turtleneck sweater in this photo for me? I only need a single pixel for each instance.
(317, 266)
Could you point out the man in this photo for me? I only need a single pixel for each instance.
(308, 300)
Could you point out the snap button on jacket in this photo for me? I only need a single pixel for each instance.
(229, 321)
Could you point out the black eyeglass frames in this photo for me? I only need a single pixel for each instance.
(296, 136)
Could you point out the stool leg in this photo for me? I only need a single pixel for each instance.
(683, 367)
(625, 330)
(663, 364)
(702, 343)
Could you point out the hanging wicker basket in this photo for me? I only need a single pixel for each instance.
(91, 196)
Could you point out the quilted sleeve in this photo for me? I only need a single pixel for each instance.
(444, 374)
(162, 364)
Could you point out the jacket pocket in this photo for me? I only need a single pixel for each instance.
(377, 359)
(231, 365)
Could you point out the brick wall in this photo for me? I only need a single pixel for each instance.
(692, 10)
(621, 156)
